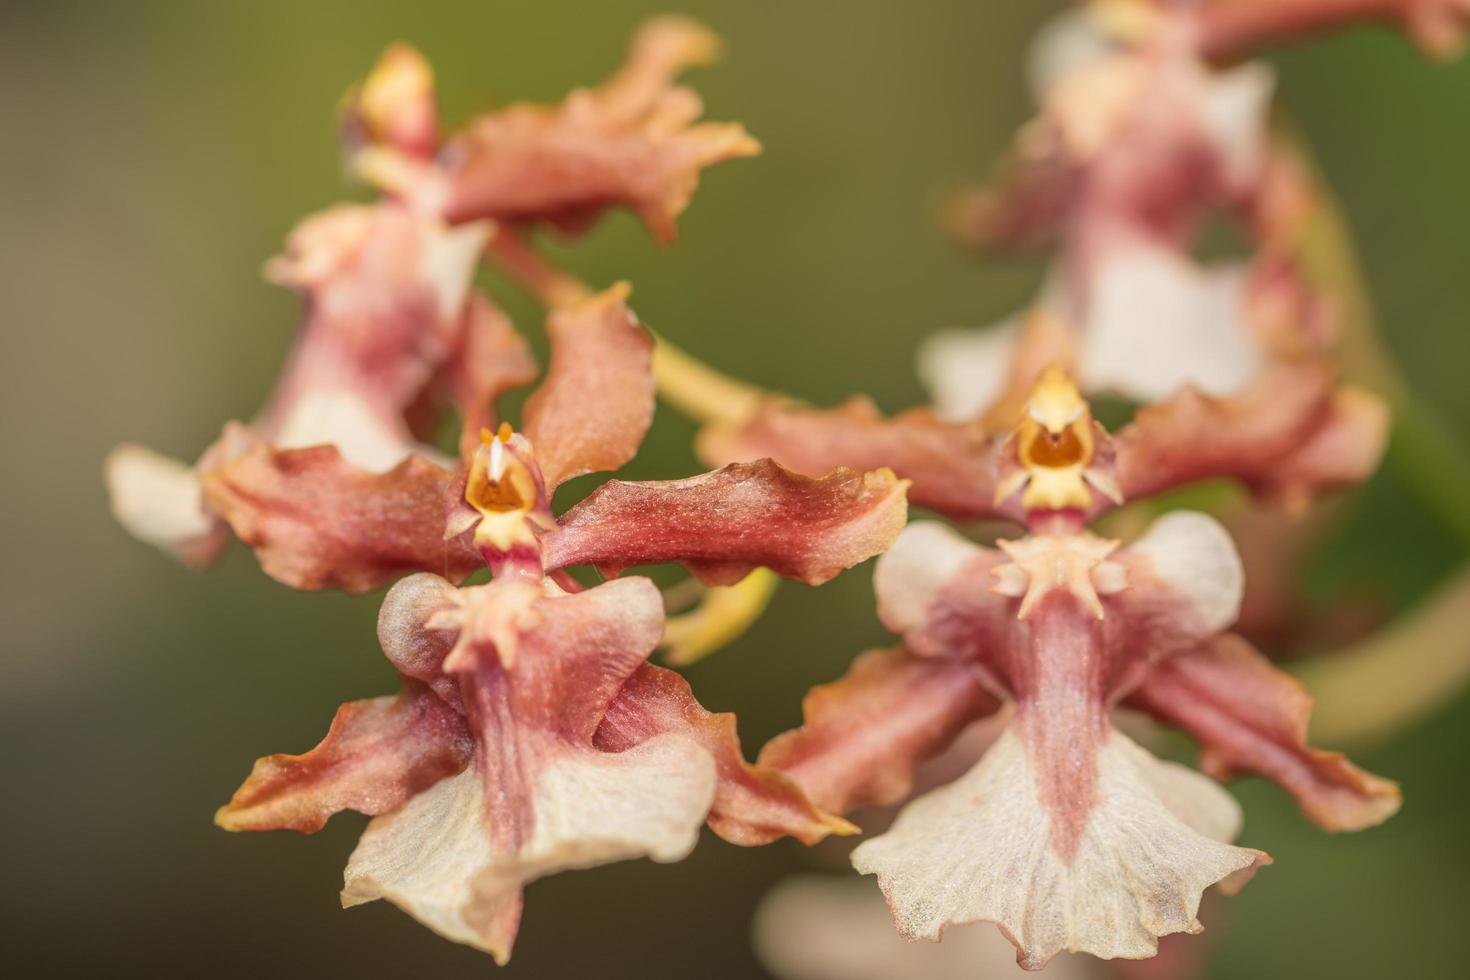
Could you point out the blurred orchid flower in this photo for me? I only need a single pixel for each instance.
(390, 326)
(531, 736)
(1067, 835)
(631, 141)
(1139, 140)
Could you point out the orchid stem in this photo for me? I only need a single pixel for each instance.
(698, 390)
(1382, 685)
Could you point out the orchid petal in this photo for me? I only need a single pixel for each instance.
(315, 521)
(752, 804)
(378, 754)
(951, 465)
(1250, 717)
(863, 736)
(596, 403)
(631, 142)
(724, 523)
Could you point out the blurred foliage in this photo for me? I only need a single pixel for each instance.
(157, 152)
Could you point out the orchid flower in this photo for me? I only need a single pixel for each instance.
(631, 141)
(1067, 834)
(531, 735)
(392, 331)
(1139, 140)
(390, 324)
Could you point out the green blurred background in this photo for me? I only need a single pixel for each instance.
(156, 153)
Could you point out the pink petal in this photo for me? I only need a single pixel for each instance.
(863, 736)
(315, 521)
(631, 142)
(935, 590)
(724, 523)
(378, 754)
(951, 465)
(1250, 717)
(596, 402)
(753, 804)
(1266, 437)
(384, 292)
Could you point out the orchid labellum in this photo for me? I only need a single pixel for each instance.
(1067, 834)
(531, 735)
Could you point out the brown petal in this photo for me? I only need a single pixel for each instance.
(724, 523)
(1273, 437)
(863, 736)
(490, 359)
(315, 521)
(951, 465)
(753, 804)
(596, 402)
(632, 142)
(378, 754)
(1250, 717)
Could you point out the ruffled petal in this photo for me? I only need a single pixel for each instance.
(724, 523)
(1267, 437)
(1250, 717)
(863, 736)
(752, 804)
(983, 849)
(631, 142)
(377, 754)
(434, 859)
(596, 403)
(951, 466)
(315, 521)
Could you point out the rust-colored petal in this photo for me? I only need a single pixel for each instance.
(863, 736)
(951, 466)
(631, 142)
(724, 523)
(753, 804)
(596, 402)
(1290, 433)
(377, 754)
(1250, 717)
(315, 521)
(490, 359)
(1225, 28)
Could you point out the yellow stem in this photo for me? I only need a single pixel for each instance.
(698, 390)
(722, 615)
(1383, 684)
